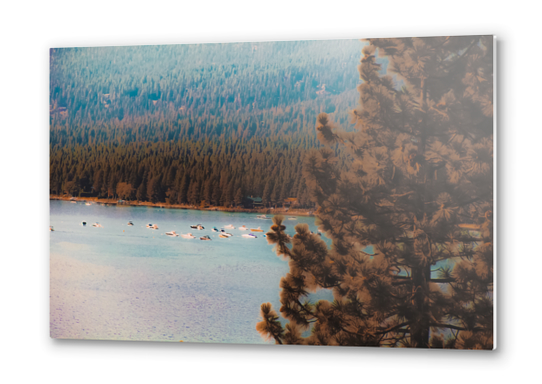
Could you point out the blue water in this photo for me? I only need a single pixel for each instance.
(134, 283)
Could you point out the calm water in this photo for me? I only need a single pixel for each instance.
(135, 283)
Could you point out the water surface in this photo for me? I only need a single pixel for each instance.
(134, 283)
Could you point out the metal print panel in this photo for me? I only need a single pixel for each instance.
(308, 192)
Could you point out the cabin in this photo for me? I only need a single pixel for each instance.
(253, 202)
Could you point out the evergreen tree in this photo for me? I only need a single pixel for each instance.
(409, 213)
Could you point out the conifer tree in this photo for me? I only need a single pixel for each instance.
(410, 212)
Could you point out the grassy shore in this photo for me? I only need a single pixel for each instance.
(268, 211)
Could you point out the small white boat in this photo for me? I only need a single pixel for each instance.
(223, 236)
(97, 225)
(172, 234)
(229, 226)
(250, 236)
(83, 223)
(292, 218)
(152, 226)
(263, 217)
(205, 238)
(214, 229)
(224, 233)
(187, 236)
(259, 229)
(243, 228)
(73, 202)
(51, 228)
(130, 224)
(200, 227)
(88, 203)
(197, 226)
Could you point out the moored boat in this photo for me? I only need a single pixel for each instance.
(229, 226)
(172, 234)
(250, 236)
(243, 228)
(51, 228)
(130, 224)
(223, 236)
(83, 223)
(187, 236)
(214, 229)
(259, 229)
(205, 238)
(97, 225)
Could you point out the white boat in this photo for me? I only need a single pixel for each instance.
(249, 236)
(97, 225)
(172, 234)
(152, 226)
(130, 224)
(243, 228)
(73, 202)
(187, 236)
(197, 226)
(83, 223)
(263, 217)
(205, 238)
(88, 203)
(224, 233)
(229, 226)
(223, 236)
(292, 218)
(214, 229)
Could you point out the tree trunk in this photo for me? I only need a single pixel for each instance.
(419, 328)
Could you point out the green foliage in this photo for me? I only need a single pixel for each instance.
(212, 112)
(410, 210)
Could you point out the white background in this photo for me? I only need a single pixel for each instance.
(28, 30)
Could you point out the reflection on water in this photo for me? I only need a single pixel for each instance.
(135, 283)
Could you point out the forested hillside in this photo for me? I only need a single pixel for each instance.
(185, 123)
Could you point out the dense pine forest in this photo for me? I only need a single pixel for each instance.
(191, 123)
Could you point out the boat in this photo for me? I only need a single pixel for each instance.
(259, 229)
(224, 233)
(250, 236)
(292, 218)
(229, 226)
(88, 203)
(149, 225)
(197, 226)
(130, 224)
(152, 226)
(187, 236)
(73, 202)
(214, 229)
(83, 223)
(223, 236)
(97, 225)
(263, 217)
(172, 234)
(243, 228)
(205, 238)
(51, 228)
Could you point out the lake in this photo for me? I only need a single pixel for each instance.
(120, 282)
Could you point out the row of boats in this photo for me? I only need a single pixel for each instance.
(221, 232)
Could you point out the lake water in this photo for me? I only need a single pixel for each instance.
(133, 283)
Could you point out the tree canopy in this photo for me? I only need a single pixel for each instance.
(409, 212)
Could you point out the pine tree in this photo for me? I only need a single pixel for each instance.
(409, 213)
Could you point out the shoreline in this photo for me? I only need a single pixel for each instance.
(269, 211)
